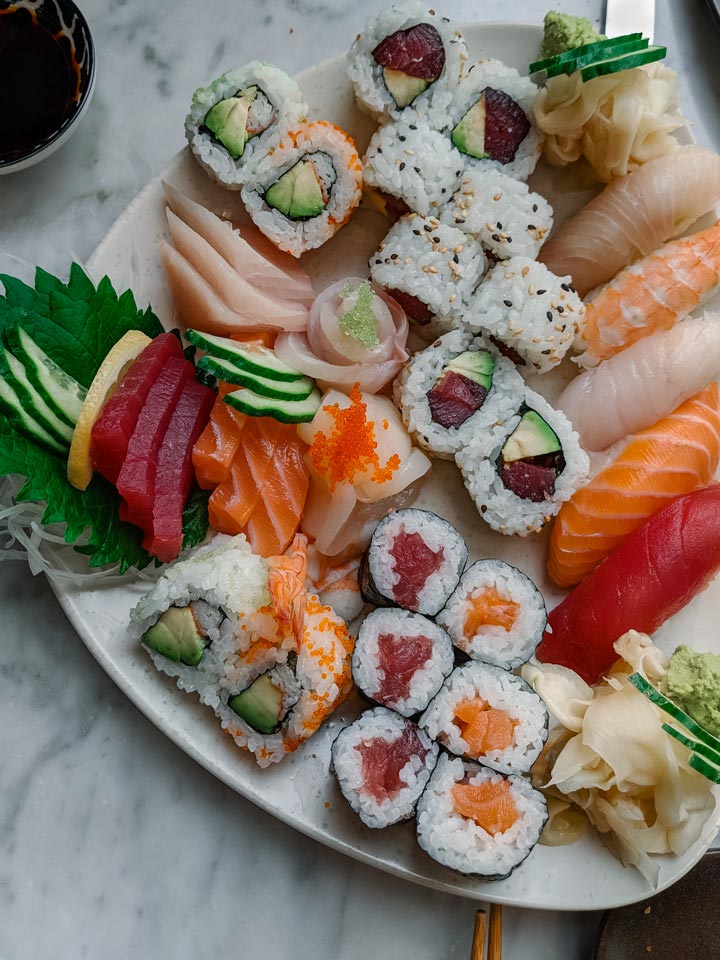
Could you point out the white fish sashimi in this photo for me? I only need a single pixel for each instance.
(643, 384)
(294, 349)
(634, 215)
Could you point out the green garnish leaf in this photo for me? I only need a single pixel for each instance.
(359, 321)
(195, 518)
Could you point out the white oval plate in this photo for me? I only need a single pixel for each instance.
(301, 791)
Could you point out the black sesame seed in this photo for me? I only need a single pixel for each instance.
(498, 225)
(565, 286)
(496, 238)
(402, 166)
(508, 303)
(531, 226)
(509, 239)
(458, 172)
(535, 208)
(412, 126)
(435, 239)
(416, 232)
(443, 190)
(541, 292)
(456, 258)
(427, 228)
(402, 139)
(560, 309)
(459, 220)
(549, 315)
(417, 170)
(545, 353)
(393, 256)
(379, 150)
(378, 262)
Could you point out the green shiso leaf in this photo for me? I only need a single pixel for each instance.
(195, 518)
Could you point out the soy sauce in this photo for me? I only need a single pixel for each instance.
(37, 83)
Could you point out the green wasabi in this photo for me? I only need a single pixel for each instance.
(693, 683)
(359, 321)
(565, 32)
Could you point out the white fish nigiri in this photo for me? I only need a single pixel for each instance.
(634, 215)
(636, 388)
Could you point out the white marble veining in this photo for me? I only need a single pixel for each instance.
(113, 843)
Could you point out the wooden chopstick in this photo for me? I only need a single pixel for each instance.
(478, 944)
(495, 932)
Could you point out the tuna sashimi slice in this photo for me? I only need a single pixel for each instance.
(114, 427)
(215, 448)
(136, 481)
(174, 474)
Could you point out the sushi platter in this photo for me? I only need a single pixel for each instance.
(456, 697)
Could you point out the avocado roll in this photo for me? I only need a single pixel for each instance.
(240, 116)
(537, 464)
(305, 189)
(458, 389)
(407, 58)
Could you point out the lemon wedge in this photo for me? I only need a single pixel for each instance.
(106, 381)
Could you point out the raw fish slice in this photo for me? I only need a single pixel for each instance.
(245, 249)
(634, 215)
(276, 516)
(199, 306)
(672, 458)
(215, 448)
(650, 296)
(327, 515)
(644, 383)
(233, 501)
(294, 349)
(331, 343)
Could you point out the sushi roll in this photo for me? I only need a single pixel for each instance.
(401, 660)
(536, 465)
(431, 269)
(496, 614)
(458, 389)
(531, 314)
(411, 167)
(476, 821)
(487, 714)
(414, 561)
(407, 58)
(383, 763)
(304, 189)
(240, 116)
(501, 212)
(492, 122)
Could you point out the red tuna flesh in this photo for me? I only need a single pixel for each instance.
(532, 479)
(114, 427)
(414, 307)
(175, 471)
(652, 574)
(506, 125)
(454, 398)
(399, 659)
(504, 349)
(382, 762)
(136, 482)
(415, 563)
(417, 52)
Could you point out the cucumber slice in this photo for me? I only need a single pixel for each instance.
(661, 701)
(16, 377)
(256, 358)
(596, 46)
(277, 389)
(704, 767)
(629, 46)
(61, 392)
(692, 744)
(627, 62)
(12, 407)
(286, 411)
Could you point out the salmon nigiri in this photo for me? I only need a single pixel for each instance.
(651, 295)
(634, 215)
(676, 456)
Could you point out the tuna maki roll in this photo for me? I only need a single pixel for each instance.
(414, 561)
(401, 659)
(407, 58)
(476, 821)
(487, 714)
(383, 763)
(240, 116)
(496, 614)
(458, 389)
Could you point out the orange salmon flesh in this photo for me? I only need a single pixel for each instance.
(490, 609)
(484, 728)
(490, 805)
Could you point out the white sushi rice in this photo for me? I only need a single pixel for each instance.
(283, 93)
(297, 236)
(501, 212)
(420, 375)
(462, 844)
(506, 648)
(381, 724)
(501, 690)
(526, 307)
(427, 679)
(438, 264)
(496, 75)
(499, 507)
(366, 74)
(414, 163)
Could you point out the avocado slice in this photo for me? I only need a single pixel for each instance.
(260, 705)
(176, 636)
(402, 87)
(298, 193)
(227, 121)
(469, 134)
(476, 365)
(532, 437)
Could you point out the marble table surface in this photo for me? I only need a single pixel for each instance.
(113, 843)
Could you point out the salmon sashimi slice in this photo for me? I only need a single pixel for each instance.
(650, 295)
(276, 516)
(489, 608)
(232, 502)
(217, 445)
(484, 728)
(676, 456)
(489, 804)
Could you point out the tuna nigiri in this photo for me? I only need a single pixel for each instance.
(651, 575)
(651, 295)
(644, 383)
(677, 455)
(634, 215)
